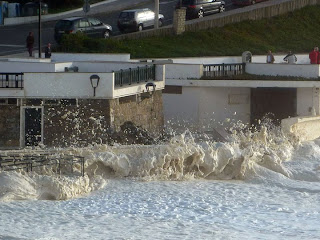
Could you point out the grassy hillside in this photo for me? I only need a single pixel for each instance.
(298, 31)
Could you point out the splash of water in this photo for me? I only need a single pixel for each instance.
(182, 158)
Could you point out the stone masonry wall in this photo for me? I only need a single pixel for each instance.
(9, 126)
(179, 21)
(86, 121)
(77, 125)
(144, 111)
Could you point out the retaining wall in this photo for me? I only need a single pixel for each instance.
(255, 12)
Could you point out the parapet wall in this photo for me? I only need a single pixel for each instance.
(255, 12)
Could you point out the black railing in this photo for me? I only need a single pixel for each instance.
(27, 162)
(221, 70)
(11, 80)
(134, 75)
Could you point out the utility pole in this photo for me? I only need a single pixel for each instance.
(39, 30)
(156, 14)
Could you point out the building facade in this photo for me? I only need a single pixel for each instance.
(63, 103)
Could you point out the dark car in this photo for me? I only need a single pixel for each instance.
(89, 26)
(200, 8)
(137, 19)
(246, 2)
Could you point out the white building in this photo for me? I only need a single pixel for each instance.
(76, 98)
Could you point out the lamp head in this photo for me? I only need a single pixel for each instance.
(94, 79)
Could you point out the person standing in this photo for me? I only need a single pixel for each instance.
(270, 57)
(47, 51)
(313, 55)
(290, 58)
(30, 42)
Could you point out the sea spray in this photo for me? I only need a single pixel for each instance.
(182, 158)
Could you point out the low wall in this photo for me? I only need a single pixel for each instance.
(283, 69)
(255, 12)
(184, 71)
(302, 128)
(84, 57)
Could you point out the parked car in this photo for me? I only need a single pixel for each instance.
(246, 2)
(89, 26)
(137, 19)
(200, 8)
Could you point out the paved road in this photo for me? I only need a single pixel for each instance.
(13, 37)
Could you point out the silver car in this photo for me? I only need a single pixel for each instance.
(137, 19)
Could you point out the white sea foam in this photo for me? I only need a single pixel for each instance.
(182, 158)
(259, 185)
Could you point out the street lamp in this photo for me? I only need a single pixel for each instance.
(94, 79)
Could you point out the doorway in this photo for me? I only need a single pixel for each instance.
(32, 134)
(274, 103)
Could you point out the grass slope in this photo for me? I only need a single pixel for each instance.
(298, 31)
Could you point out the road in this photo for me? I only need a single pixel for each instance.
(13, 37)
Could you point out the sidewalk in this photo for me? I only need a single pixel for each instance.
(101, 7)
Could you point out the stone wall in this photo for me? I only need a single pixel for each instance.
(258, 11)
(72, 122)
(143, 110)
(9, 125)
(179, 21)
(86, 122)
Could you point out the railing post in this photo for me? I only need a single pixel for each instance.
(138, 80)
(7, 80)
(121, 79)
(223, 69)
(130, 76)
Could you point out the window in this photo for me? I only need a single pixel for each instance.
(12, 101)
(94, 22)
(83, 23)
(64, 25)
(68, 102)
(127, 15)
(51, 102)
(34, 102)
(188, 2)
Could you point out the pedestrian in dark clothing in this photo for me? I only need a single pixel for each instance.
(313, 55)
(30, 42)
(47, 51)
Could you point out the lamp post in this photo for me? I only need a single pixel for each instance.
(156, 14)
(94, 79)
(39, 30)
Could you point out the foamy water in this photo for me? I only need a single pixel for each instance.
(257, 186)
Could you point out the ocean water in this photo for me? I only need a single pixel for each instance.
(259, 185)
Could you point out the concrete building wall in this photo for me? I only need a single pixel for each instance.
(205, 108)
(304, 101)
(66, 85)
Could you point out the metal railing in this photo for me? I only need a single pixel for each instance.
(221, 70)
(135, 75)
(11, 80)
(29, 163)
